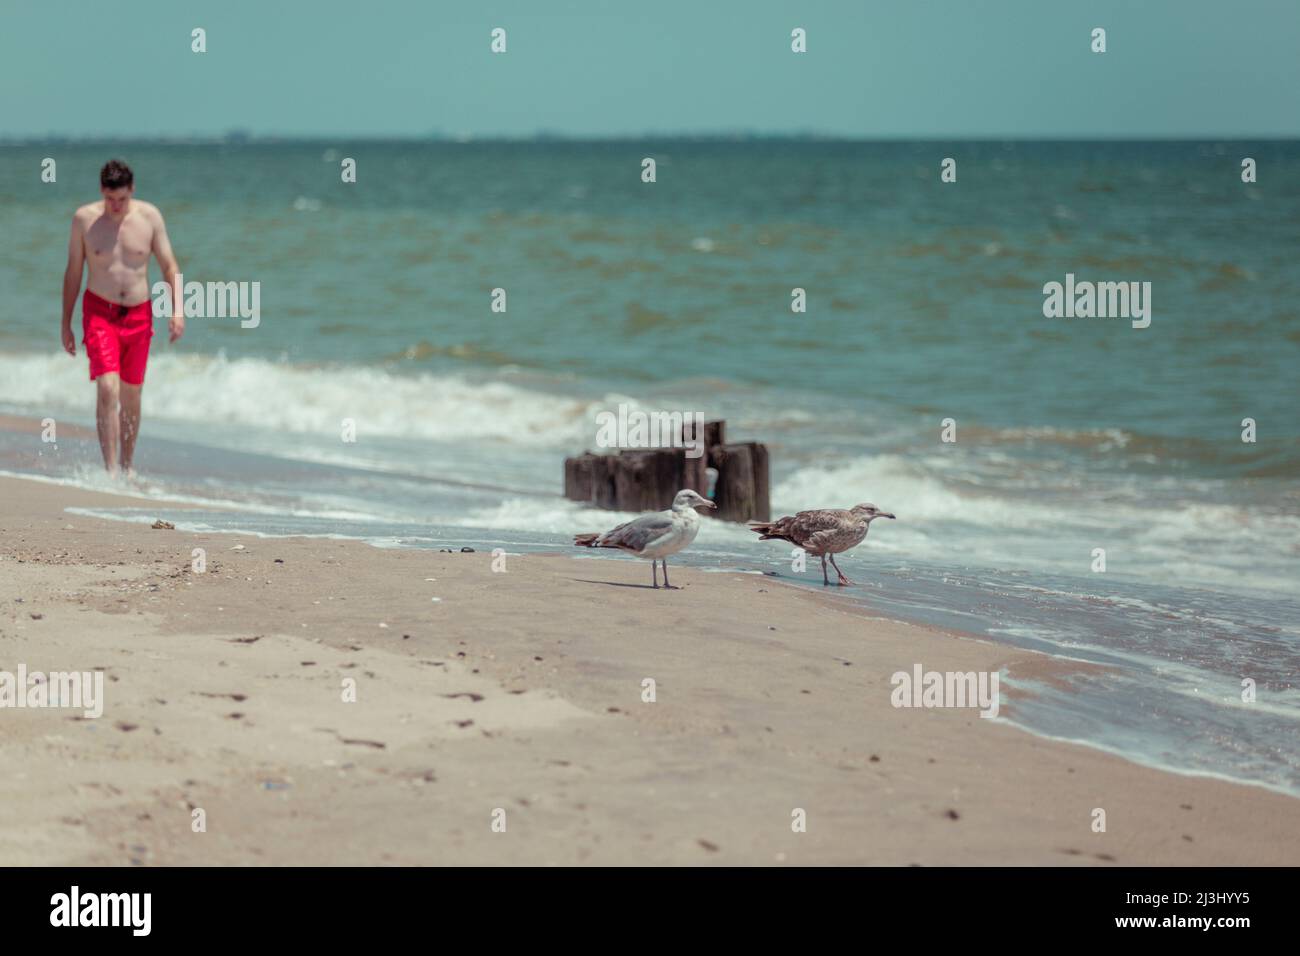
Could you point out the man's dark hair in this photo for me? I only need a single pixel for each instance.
(116, 174)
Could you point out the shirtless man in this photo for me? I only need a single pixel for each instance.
(115, 238)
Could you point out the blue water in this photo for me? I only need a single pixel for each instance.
(924, 303)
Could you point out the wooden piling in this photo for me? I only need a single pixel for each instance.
(647, 479)
(577, 477)
(762, 484)
(734, 494)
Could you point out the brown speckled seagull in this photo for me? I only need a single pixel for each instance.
(827, 532)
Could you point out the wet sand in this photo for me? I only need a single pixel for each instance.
(517, 697)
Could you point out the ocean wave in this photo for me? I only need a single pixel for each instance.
(948, 515)
(304, 399)
(904, 485)
(1279, 457)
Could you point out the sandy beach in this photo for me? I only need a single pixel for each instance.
(516, 695)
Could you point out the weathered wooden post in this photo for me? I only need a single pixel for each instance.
(603, 474)
(734, 494)
(642, 479)
(695, 470)
(647, 480)
(577, 477)
(762, 483)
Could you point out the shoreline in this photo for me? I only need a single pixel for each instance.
(1054, 663)
(521, 691)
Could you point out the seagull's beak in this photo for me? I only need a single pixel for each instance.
(886, 515)
(710, 504)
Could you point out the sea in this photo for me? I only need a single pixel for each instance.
(1074, 444)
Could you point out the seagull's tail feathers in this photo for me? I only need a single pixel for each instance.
(587, 540)
(768, 530)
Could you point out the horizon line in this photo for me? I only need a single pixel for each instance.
(240, 137)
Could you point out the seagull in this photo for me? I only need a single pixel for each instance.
(826, 532)
(654, 536)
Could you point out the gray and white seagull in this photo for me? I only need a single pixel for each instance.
(654, 536)
(826, 532)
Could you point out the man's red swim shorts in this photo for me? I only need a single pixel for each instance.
(116, 337)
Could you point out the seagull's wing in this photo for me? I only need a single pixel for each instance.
(635, 535)
(813, 530)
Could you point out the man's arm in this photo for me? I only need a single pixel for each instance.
(162, 250)
(72, 280)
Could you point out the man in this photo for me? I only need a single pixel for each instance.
(114, 238)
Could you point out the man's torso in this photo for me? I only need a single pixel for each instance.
(117, 254)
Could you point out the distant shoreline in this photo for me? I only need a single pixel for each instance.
(254, 139)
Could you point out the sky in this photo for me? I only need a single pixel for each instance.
(943, 69)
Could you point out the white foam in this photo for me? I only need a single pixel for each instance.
(899, 484)
(312, 400)
(1177, 542)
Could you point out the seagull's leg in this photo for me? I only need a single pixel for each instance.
(666, 584)
(843, 579)
(825, 579)
(654, 571)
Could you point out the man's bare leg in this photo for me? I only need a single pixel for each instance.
(130, 422)
(107, 418)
